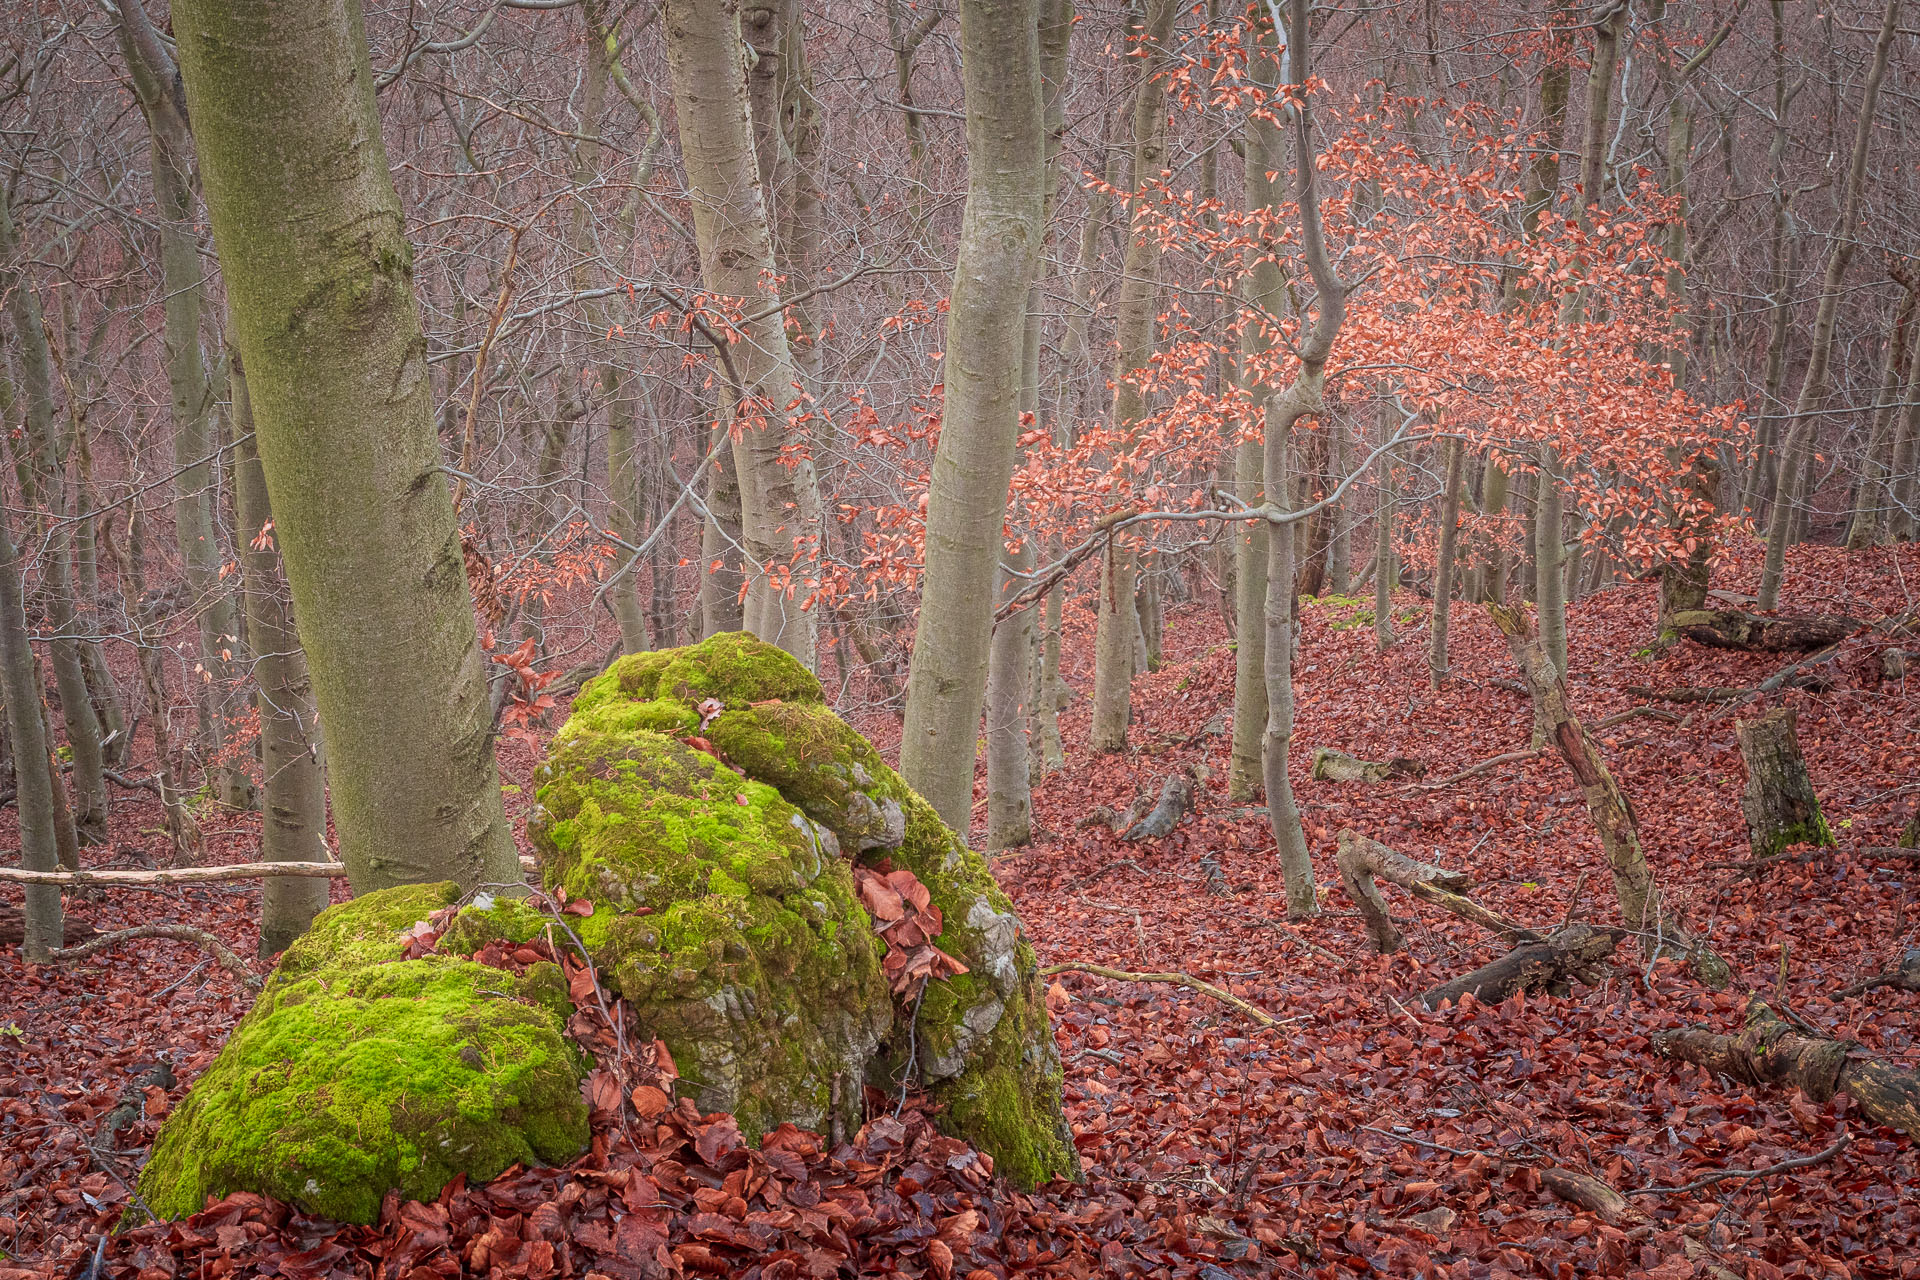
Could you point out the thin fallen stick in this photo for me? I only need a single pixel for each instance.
(1286, 931)
(1178, 979)
(1516, 757)
(220, 951)
(1785, 1166)
(176, 875)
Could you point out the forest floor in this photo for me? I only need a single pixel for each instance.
(1363, 1134)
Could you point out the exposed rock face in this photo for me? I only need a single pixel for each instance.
(711, 806)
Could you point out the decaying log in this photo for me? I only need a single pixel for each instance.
(13, 929)
(1337, 766)
(1768, 1051)
(1735, 629)
(1360, 860)
(1104, 815)
(1590, 1194)
(1633, 883)
(1779, 800)
(1550, 964)
(1175, 803)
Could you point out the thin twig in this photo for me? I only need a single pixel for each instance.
(1178, 979)
(1785, 1166)
(227, 958)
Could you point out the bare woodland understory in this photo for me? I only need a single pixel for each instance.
(1379, 541)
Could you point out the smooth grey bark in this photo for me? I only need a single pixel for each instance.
(1384, 571)
(1870, 499)
(319, 280)
(32, 766)
(43, 484)
(157, 89)
(293, 794)
(1813, 388)
(1115, 655)
(779, 504)
(1550, 559)
(1000, 237)
(1446, 563)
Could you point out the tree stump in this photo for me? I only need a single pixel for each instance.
(1779, 800)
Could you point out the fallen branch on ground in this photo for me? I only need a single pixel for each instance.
(1767, 1051)
(227, 958)
(1573, 951)
(13, 928)
(1906, 978)
(1178, 979)
(1736, 629)
(1785, 1166)
(1516, 757)
(175, 875)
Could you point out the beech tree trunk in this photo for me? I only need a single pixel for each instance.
(319, 279)
(1384, 569)
(1813, 389)
(1779, 801)
(967, 499)
(293, 801)
(43, 484)
(1445, 564)
(779, 504)
(156, 87)
(1116, 655)
(32, 763)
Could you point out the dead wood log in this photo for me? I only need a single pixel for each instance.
(1692, 693)
(1779, 801)
(1550, 964)
(1105, 815)
(1589, 1193)
(1360, 860)
(13, 928)
(1175, 803)
(1337, 766)
(222, 954)
(1736, 629)
(1905, 978)
(1768, 1051)
(1633, 883)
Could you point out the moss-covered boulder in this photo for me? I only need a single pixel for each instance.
(668, 761)
(717, 814)
(359, 1071)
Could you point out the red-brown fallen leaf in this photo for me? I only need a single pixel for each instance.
(940, 1258)
(649, 1102)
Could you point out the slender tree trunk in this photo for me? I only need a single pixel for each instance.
(1383, 555)
(157, 89)
(1444, 563)
(1900, 488)
(43, 483)
(779, 505)
(319, 278)
(1870, 498)
(1339, 535)
(32, 763)
(967, 500)
(1813, 389)
(722, 580)
(1550, 558)
(293, 801)
(128, 555)
(1493, 505)
(1115, 658)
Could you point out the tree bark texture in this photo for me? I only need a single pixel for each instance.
(1734, 629)
(293, 801)
(1446, 566)
(1115, 653)
(1779, 800)
(779, 504)
(967, 498)
(1768, 1051)
(32, 763)
(319, 280)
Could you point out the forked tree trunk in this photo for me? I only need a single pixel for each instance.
(1779, 801)
(967, 498)
(319, 280)
(293, 800)
(1115, 654)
